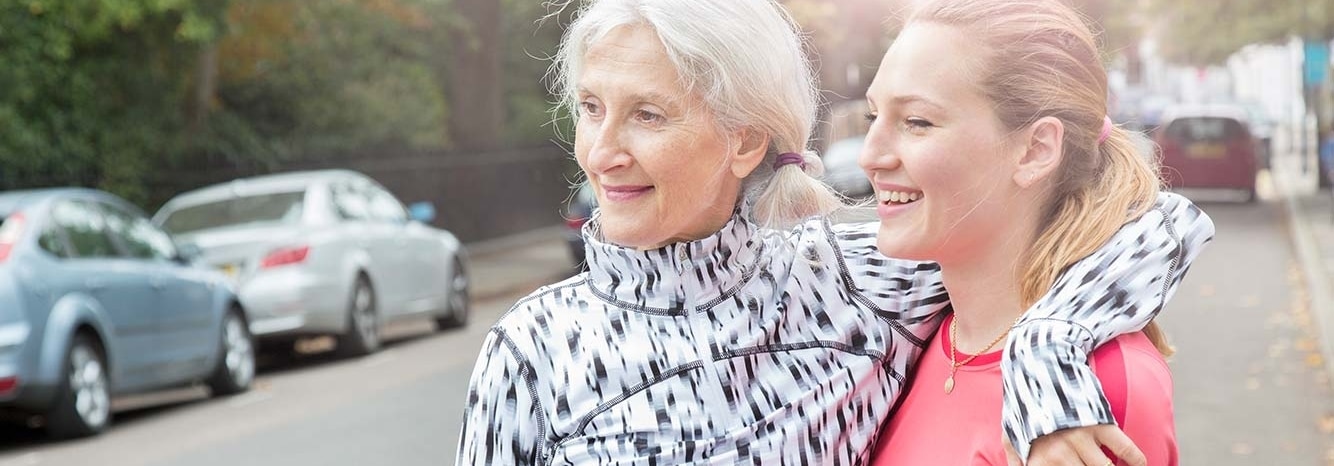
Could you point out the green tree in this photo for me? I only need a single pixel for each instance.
(306, 79)
(1204, 32)
(90, 92)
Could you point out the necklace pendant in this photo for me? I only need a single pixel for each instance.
(949, 384)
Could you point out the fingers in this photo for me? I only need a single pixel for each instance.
(1058, 449)
(1084, 446)
(1011, 456)
(1116, 441)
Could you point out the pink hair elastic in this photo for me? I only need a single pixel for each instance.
(789, 158)
(1106, 129)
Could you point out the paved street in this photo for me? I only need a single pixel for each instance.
(398, 407)
(1250, 380)
(1250, 383)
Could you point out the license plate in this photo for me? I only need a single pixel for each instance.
(1206, 151)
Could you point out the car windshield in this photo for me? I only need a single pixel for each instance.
(264, 208)
(1204, 129)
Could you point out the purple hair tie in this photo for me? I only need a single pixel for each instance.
(1106, 129)
(789, 158)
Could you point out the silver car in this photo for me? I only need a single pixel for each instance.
(324, 253)
(95, 301)
(841, 170)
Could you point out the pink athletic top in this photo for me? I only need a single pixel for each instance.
(963, 427)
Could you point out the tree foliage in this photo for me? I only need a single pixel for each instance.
(90, 89)
(1202, 32)
(302, 78)
(106, 93)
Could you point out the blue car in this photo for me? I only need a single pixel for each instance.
(95, 302)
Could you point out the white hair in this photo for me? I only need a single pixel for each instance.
(746, 61)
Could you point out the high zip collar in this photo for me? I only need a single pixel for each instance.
(677, 278)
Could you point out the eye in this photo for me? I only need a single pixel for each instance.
(645, 116)
(870, 116)
(590, 108)
(917, 125)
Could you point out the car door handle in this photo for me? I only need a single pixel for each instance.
(157, 283)
(95, 284)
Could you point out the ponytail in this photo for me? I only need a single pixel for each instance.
(1084, 215)
(793, 193)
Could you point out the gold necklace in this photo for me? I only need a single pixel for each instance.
(954, 366)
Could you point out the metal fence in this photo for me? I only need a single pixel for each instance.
(476, 196)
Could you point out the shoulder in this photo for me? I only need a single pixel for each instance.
(1138, 386)
(1131, 361)
(543, 312)
(860, 254)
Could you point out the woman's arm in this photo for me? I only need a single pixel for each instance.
(1118, 289)
(502, 423)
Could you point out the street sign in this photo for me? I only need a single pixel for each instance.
(1316, 69)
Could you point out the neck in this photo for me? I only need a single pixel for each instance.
(984, 291)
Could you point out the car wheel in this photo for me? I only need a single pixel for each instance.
(363, 326)
(236, 366)
(457, 314)
(83, 400)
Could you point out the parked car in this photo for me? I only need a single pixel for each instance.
(1209, 146)
(577, 213)
(324, 253)
(841, 170)
(96, 301)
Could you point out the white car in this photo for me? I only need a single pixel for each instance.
(323, 253)
(841, 170)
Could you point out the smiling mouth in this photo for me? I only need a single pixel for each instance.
(898, 197)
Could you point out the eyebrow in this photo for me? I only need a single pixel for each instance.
(901, 100)
(642, 96)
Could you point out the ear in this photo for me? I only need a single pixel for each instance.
(1042, 152)
(749, 154)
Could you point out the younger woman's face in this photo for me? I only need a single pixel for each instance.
(938, 157)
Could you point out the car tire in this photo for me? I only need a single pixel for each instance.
(456, 314)
(236, 358)
(83, 398)
(363, 322)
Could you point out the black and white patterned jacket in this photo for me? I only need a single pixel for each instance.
(755, 347)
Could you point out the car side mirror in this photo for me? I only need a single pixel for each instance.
(422, 212)
(188, 253)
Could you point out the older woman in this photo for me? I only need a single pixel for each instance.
(698, 336)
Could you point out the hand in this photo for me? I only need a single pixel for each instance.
(1080, 446)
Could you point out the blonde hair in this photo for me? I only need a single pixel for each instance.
(745, 59)
(1041, 60)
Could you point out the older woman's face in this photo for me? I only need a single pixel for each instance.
(936, 153)
(662, 169)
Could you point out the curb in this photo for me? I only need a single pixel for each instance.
(508, 243)
(494, 261)
(1317, 280)
(525, 287)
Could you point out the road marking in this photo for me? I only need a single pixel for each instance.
(249, 399)
(25, 460)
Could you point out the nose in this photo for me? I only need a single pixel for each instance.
(607, 151)
(878, 152)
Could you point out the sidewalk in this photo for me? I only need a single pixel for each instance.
(1311, 221)
(518, 263)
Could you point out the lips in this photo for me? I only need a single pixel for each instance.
(625, 192)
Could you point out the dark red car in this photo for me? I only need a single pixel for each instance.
(1208, 147)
